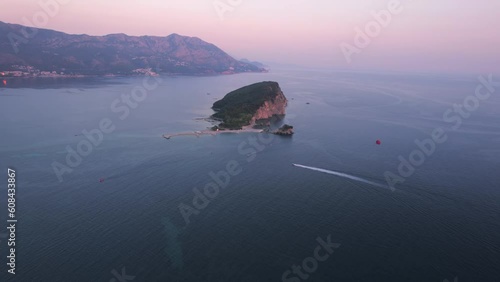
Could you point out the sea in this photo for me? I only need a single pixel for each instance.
(101, 196)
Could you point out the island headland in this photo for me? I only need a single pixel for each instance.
(253, 105)
(251, 108)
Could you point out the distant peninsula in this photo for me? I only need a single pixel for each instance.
(249, 109)
(31, 52)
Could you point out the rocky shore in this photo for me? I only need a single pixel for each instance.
(285, 130)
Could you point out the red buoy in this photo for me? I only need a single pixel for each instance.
(378, 142)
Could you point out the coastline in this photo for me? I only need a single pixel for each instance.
(26, 75)
(245, 129)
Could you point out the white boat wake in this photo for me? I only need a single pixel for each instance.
(344, 175)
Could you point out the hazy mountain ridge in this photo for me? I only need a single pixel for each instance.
(255, 63)
(56, 51)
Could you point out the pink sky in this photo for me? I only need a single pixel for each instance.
(426, 36)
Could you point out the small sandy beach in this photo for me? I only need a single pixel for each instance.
(246, 129)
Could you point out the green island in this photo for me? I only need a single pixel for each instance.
(249, 109)
(249, 106)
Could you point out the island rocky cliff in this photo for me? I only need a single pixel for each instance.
(250, 105)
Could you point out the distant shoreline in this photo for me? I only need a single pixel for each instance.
(125, 75)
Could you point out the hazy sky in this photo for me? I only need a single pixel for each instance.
(425, 36)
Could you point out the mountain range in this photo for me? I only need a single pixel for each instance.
(41, 50)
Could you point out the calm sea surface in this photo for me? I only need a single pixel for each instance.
(442, 222)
